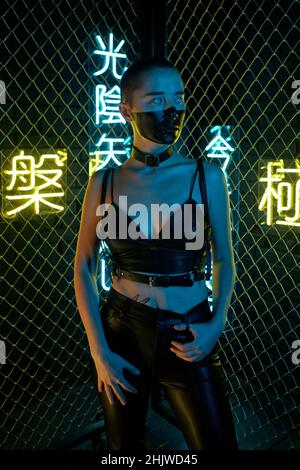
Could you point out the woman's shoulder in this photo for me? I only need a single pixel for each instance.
(98, 175)
(95, 183)
(211, 170)
(216, 184)
(215, 180)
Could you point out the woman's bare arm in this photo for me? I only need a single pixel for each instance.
(224, 273)
(85, 268)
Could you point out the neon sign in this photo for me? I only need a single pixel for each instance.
(107, 105)
(107, 115)
(34, 182)
(107, 99)
(219, 148)
(110, 55)
(281, 198)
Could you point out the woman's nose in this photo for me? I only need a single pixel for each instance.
(173, 106)
(168, 104)
(171, 113)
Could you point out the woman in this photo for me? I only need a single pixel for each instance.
(156, 323)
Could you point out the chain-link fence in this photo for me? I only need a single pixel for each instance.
(238, 65)
(239, 61)
(47, 65)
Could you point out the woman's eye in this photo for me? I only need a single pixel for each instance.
(156, 100)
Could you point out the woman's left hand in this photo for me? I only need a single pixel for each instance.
(205, 337)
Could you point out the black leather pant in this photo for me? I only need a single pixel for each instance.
(196, 390)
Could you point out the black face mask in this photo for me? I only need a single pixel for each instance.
(163, 127)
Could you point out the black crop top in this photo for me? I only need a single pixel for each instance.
(161, 255)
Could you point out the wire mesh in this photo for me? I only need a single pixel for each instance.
(239, 61)
(47, 62)
(238, 64)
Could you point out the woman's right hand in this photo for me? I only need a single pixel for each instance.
(109, 369)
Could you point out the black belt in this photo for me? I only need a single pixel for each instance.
(160, 280)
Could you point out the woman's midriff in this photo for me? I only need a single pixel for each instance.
(179, 299)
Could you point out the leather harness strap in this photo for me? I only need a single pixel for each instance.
(158, 280)
(186, 279)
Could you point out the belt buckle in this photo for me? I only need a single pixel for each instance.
(167, 320)
(189, 279)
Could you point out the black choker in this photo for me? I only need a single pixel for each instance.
(149, 158)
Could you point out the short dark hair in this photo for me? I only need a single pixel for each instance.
(130, 78)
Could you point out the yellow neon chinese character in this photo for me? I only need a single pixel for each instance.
(34, 183)
(286, 194)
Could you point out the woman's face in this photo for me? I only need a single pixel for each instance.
(157, 108)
